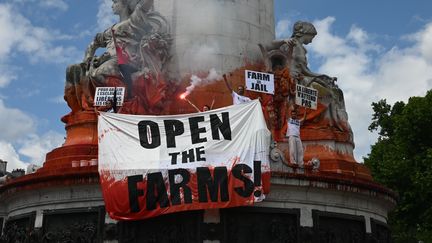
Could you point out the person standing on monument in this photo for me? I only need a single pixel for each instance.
(206, 108)
(109, 107)
(238, 98)
(296, 151)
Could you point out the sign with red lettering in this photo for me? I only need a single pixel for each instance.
(153, 165)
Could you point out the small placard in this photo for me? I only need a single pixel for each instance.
(306, 97)
(103, 94)
(259, 82)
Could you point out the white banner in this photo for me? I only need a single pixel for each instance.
(306, 97)
(259, 82)
(166, 164)
(103, 94)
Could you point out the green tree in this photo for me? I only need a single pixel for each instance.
(401, 159)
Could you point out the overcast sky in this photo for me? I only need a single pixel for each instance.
(377, 49)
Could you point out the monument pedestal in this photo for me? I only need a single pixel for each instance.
(301, 207)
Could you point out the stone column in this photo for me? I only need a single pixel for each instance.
(220, 34)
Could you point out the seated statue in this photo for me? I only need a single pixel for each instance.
(291, 54)
(303, 34)
(137, 45)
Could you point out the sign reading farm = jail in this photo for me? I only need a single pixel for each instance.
(154, 165)
(306, 97)
(259, 82)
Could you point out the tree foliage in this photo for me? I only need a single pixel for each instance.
(401, 159)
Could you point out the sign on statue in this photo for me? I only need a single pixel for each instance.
(153, 165)
(306, 97)
(259, 82)
(103, 94)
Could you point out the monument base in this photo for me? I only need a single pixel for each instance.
(303, 206)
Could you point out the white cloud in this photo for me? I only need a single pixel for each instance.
(49, 4)
(6, 75)
(57, 4)
(35, 147)
(20, 37)
(57, 99)
(7, 29)
(366, 72)
(9, 154)
(20, 140)
(361, 39)
(326, 44)
(15, 124)
(105, 16)
(424, 38)
(283, 29)
(18, 130)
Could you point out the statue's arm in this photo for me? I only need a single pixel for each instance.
(307, 72)
(299, 56)
(276, 44)
(139, 16)
(98, 42)
(143, 6)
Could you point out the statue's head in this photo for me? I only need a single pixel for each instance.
(304, 29)
(118, 6)
(124, 5)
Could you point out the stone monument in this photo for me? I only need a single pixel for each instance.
(168, 55)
